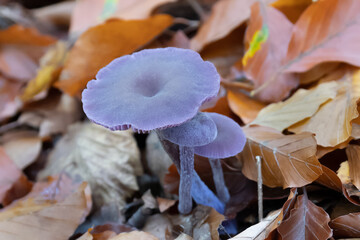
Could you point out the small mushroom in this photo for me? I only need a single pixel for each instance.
(198, 131)
(230, 140)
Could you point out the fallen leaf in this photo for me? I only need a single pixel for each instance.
(331, 42)
(99, 45)
(165, 204)
(51, 115)
(29, 143)
(17, 34)
(214, 220)
(86, 236)
(306, 221)
(267, 38)
(9, 176)
(50, 66)
(353, 154)
(347, 226)
(329, 179)
(223, 19)
(9, 103)
(260, 230)
(336, 114)
(78, 153)
(88, 13)
(52, 210)
(134, 235)
(292, 8)
(244, 106)
(18, 190)
(287, 161)
(303, 104)
(320, 71)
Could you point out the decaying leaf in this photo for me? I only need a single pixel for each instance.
(110, 161)
(287, 161)
(9, 103)
(50, 65)
(101, 44)
(88, 13)
(267, 38)
(306, 221)
(347, 226)
(261, 230)
(9, 175)
(303, 104)
(51, 115)
(23, 147)
(52, 210)
(353, 154)
(244, 106)
(336, 114)
(224, 18)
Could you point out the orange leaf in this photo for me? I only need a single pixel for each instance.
(17, 34)
(287, 161)
(268, 36)
(101, 44)
(292, 8)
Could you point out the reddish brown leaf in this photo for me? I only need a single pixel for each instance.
(329, 179)
(287, 161)
(306, 221)
(347, 226)
(267, 38)
(292, 8)
(101, 44)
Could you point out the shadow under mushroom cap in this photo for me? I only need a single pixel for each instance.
(150, 89)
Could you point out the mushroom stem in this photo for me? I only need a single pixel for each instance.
(218, 177)
(186, 173)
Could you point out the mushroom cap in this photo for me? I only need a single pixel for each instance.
(198, 131)
(150, 89)
(230, 139)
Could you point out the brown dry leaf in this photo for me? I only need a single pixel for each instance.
(260, 230)
(17, 34)
(51, 115)
(50, 66)
(303, 104)
(101, 44)
(9, 174)
(267, 38)
(287, 161)
(329, 179)
(52, 210)
(347, 226)
(29, 143)
(336, 114)
(224, 18)
(292, 8)
(88, 13)
(78, 153)
(322, 151)
(9, 102)
(306, 221)
(244, 106)
(336, 37)
(165, 204)
(328, 69)
(138, 235)
(353, 154)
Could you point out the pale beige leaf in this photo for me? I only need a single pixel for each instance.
(287, 161)
(344, 173)
(353, 154)
(23, 147)
(110, 161)
(261, 230)
(86, 236)
(138, 235)
(184, 236)
(331, 124)
(51, 211)
(303, 104)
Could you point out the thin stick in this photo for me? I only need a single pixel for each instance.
(198, 9)
(260, 192)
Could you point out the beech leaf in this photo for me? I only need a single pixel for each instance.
(353, 154)
(347, 226)
(287, 161)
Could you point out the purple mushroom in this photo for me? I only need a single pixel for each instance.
(151, 90)
(198, 131)
(230, 140)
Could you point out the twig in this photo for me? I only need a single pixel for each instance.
(260, 192)
(198, 9)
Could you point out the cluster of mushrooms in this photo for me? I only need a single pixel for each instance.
(162, 90)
